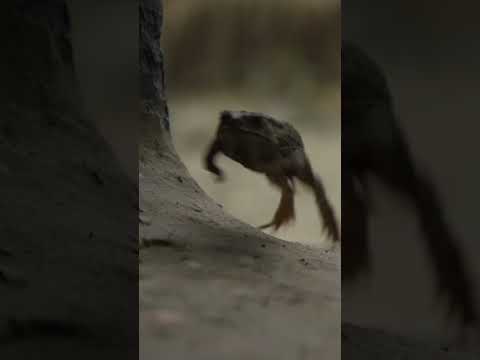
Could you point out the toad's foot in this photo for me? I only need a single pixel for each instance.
(285, 212)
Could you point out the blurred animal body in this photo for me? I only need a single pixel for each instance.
(373, 144)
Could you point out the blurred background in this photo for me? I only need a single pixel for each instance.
(274, 56)
(430, 56)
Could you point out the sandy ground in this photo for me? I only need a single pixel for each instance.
(212, 287)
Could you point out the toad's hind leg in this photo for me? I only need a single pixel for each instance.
(286, 208)
(309, 178)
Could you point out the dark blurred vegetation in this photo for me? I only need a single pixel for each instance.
(268, 46)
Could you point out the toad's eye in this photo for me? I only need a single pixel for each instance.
(226, 119)
(256, 121)
(225, 116)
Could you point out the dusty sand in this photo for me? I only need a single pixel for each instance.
(212, 287)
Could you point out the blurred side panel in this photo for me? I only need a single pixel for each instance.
(68, 180)
(409, 149)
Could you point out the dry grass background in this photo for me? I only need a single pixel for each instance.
(266, 45)
(278, 57)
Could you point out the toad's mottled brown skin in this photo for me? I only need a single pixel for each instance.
(265, 145)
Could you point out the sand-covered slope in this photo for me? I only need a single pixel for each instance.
(212, 287)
